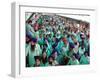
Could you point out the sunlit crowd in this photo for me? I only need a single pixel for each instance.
(55, 40)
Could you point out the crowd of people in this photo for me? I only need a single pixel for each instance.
(55, 40)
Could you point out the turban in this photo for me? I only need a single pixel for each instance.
(34, 39)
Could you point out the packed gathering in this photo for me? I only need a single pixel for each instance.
(56, 40)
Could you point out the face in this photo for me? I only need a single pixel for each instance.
(86, 54)
(55, 55)
(37, 62)
(50, 60)
(32, 43)
(44, 54)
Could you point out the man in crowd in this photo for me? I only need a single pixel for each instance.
(33, 50)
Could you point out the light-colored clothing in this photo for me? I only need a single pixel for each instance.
(84, 60)
(36, 34)
(59, 47)
(27, 47)
(54, 63)
(29, 29)
(81, 51)
(75, 49)
(49, 49)
(65, 49)
(73, 62)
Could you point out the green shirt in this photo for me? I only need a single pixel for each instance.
(49, 49)
(70, 53)
(40, 20)
(73, 62)
(59, 46)
(84, 60)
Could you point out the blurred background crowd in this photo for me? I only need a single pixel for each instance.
(53, 40)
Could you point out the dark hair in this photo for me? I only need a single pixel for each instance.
(44, 60)
(29, 21)
(54, 51)
(51, 57)
(37, 57)
(44, 50)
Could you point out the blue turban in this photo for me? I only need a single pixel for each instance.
(34, 39)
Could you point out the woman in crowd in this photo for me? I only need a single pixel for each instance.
(44, 58)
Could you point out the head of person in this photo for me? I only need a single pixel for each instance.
(44, 57)
(29, 22)
(66, 60)
(44, 54)
(64, 40)
(37, 60)
(71, 46)
(50, 59)
(54, 54)
(86, 53)
(33, 43)
(36, 27)
(82, 36)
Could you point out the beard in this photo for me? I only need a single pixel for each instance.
(27, 42)
(32, 47)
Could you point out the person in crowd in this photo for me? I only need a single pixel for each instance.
(73, 61)
(33, 51)
(70, 52)
(81, 50)
(85, 59)
(37, 61)
(51, 61)
(44, 58)
(29, 29)
(56, 57)
(36, 26)
(59, 46)
(65, 47)
(48, 48)
(27, 46)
